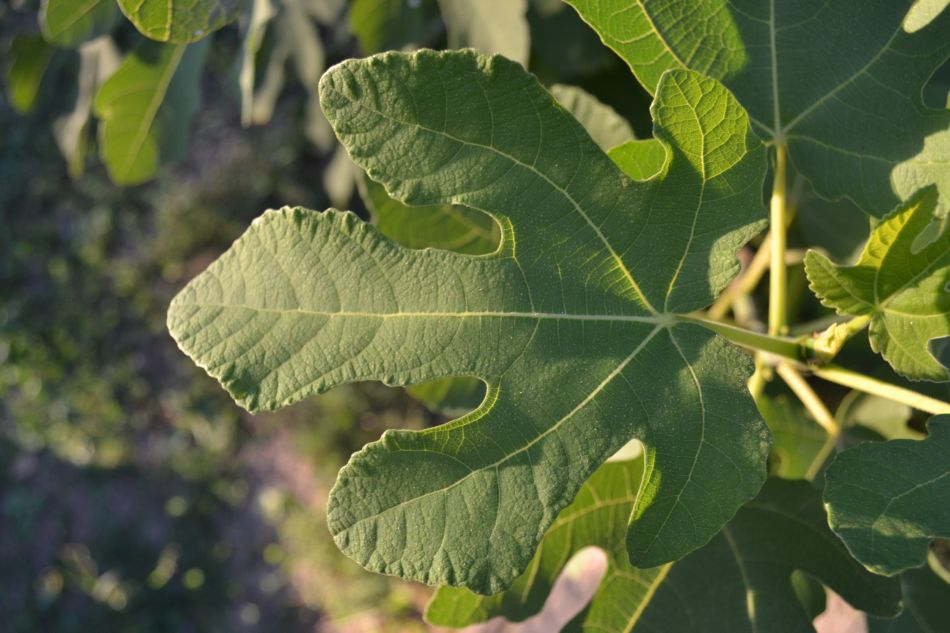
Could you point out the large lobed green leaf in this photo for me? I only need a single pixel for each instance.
(900, 283)
(838, 82)
(179, 21)
(571, 323)
(888, 500)
(146, 108)
(740, 581)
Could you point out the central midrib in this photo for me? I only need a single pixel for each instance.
(560, 316)
(776, 108)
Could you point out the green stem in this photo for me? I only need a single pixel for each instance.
(778, 345)
(800, 387)
(873, 386)
(757, 381)
(799, 351)
(777, 271)
(803, 391)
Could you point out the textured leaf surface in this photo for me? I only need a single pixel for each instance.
(491, 26)
(926, 596)
(740, 581)
(571, 322)
(146, 108)
(69, 23)
(888, 500)
(846, 102)
(900, 283)
(452, 228)
(464, 230)
(179, 21)
(456, 228)
(605, 126)
(30, 57)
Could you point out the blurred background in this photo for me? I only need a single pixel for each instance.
(134, 495)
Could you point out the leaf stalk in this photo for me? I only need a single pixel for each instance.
(782, 346)
(813, 403)
(778, 283)
(867, 384)
(801, 352)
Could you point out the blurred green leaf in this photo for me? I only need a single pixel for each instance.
(887, 418)
(797, 440)
(382, 25)
(452, 228)
(98, 60)
(491, 26)
(262, 12)
(69, 23)
(296, 39)
(146, 107)
(452, 397)
(562, 44)
(838, 226)
(605, 126)
(179, 21)
(30, 57)
(810, 593)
